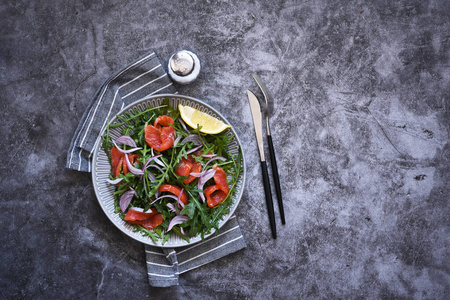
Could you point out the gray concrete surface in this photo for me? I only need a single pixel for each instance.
(360, 123)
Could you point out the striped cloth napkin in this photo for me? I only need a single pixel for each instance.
(140, 79)
(164, 265)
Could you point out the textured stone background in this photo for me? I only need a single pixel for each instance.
(360, 122)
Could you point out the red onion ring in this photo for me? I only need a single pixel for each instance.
(165, 196)
(195, 149)
(131, 168)
(172, 208)
(139, 209)
(194, 138)
(177, 220)
(215, 158)
(126, 151)
(183, 125)
(115, 181)
(197, 174)
(175, 143)
(158, 161)
(147, 162)
(179, 203)
(125, 199)
(157, 167)
(203, 179)
(126, 140)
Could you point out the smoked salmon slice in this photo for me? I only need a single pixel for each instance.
(118, 162)
(165, 187)
(217, 193)
(153, 222)
(187, 166)
(148, 220)
(136, 215)
(161, 135)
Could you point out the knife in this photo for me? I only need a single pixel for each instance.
(273, 160)
(257, 121)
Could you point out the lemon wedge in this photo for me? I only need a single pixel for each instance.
(194, 117)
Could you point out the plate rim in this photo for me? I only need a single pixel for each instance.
(148, 240)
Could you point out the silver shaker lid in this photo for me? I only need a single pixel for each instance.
(182, 63)
(184, 67)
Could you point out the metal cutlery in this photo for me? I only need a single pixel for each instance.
(273, 161)
(257, 121)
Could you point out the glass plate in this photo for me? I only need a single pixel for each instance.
(101, 169)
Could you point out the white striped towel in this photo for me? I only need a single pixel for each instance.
(142, 78)
(164, 265)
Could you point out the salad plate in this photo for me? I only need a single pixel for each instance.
(101, 169)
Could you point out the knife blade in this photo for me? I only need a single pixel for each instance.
(257, 122)
(273, 160)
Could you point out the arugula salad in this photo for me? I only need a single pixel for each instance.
(170, 178)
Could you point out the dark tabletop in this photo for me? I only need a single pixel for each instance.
(360, 124)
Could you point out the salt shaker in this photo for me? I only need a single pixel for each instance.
(184, 67)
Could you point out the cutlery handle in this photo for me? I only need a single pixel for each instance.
(276, 178)
(269, 201)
